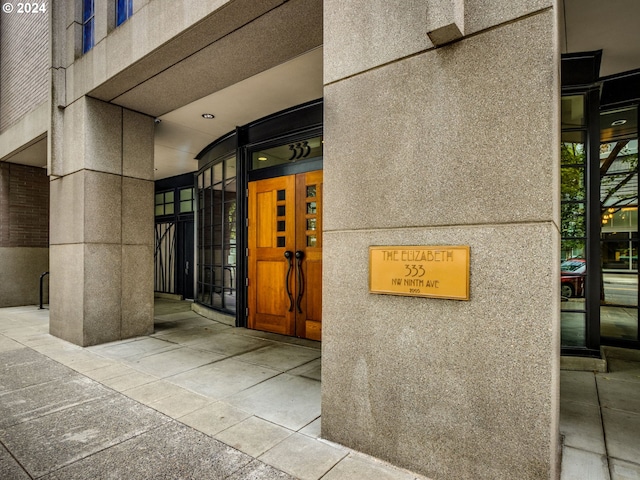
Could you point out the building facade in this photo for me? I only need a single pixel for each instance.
(24, 189)
(273, 143)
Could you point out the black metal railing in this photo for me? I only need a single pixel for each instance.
(44, 274)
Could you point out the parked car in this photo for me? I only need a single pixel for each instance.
(572, 273)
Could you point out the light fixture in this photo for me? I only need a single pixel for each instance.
(617, 123)
(208, 116)
(262, 159)
(611, 210)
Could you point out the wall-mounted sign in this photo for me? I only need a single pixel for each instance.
(419, 271)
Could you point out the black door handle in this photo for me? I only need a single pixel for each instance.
(289, 256)
(299, 257)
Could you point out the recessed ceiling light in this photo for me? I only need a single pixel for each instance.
(617, 123)
(262, 159)
(208, 116)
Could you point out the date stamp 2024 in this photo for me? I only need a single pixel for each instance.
(24, 8)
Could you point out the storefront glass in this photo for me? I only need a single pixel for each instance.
(217, 235)
(619, 230)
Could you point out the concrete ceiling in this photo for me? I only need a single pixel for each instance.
(183, 133)
(612, 26)
(34, 154)
(585, 25)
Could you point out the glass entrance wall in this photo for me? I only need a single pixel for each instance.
(217, 235)
(284, 143)
(619, 233)
(573, 155)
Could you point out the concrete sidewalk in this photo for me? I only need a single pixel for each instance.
(600, 420)
(199, 399)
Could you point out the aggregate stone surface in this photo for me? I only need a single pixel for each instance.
(35, 401)
(9, 468)
(259, 471)
(52, 441)
(25, 367)
(169, 452)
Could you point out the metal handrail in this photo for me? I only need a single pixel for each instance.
(44, 274)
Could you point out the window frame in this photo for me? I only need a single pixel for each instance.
(124, 11)
(88, 25)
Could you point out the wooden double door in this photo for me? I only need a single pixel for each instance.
(285, 255)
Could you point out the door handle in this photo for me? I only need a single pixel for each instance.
(289, 256)
(299, 257)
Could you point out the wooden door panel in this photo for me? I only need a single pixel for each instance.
(313, 302)
(309, 241)
(271, 232)
(270, 275)
(285, 215)
(265, 219)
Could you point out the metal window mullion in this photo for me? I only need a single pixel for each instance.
(223, 191)
(594, 267)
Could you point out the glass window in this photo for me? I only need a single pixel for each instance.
(186, 200)
(217, 235)
(573, 227)
(164, 203)
(124, 9)
(619, 223)
(88, 21)
(572, 330)
(573, 111)
(290, 152)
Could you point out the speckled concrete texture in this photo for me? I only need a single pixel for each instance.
(100, 216)
(66, 263)
(103, 136)
(67, 209)
(482, 14)
(137, 290)
(25, 368)
(458, 135)
(102, 207)
(63, 437)
(259, 471)
(450, 389)
(363, 34)
(102, 289)
(137, 145)
(137, 211)
(73, 142)
(441, 13)
(298, 23)
(37, 401)
(173, 449)
(9, 468)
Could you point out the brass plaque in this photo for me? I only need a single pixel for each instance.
(419, 271)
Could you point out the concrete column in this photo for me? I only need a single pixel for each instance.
(101, 254)
(452, 143)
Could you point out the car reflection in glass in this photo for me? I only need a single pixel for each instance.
(572, 274)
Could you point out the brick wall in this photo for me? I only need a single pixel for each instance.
(24, 63)
(24, 206)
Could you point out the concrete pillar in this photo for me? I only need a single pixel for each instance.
(101, 254)
(452, 143)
